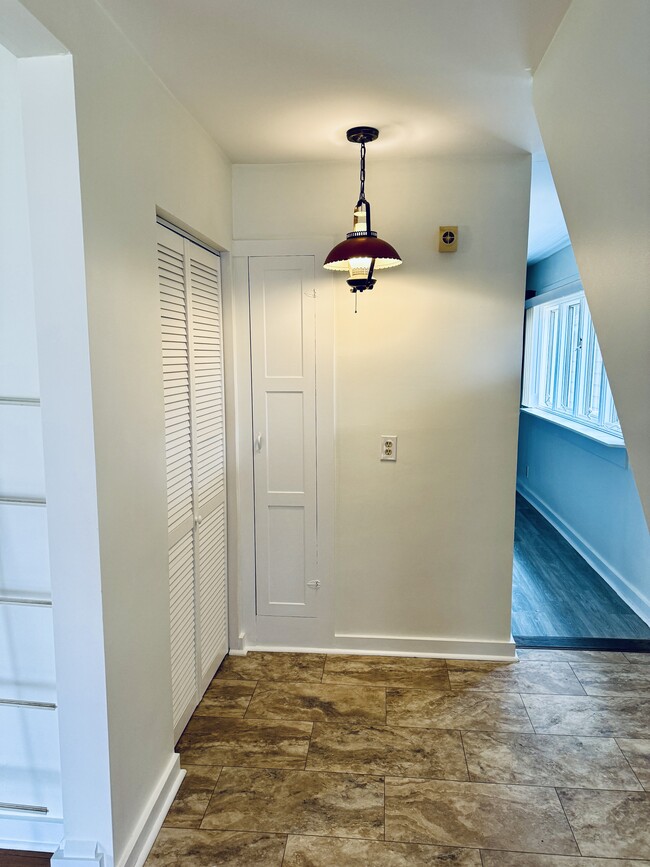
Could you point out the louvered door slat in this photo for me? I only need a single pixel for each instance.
(182, 617)
(212, 587)
(176, 376)
(208, 387)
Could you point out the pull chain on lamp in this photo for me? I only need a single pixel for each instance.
(362, 253)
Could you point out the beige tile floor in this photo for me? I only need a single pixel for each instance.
(306, 760)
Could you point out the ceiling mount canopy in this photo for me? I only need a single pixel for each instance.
(362, 134)
(362, 252)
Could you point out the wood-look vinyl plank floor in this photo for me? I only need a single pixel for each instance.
(17, 858)
(556, 593)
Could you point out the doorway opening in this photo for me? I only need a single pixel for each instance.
(581, 574)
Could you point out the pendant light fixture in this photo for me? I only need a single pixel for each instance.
(362, 253)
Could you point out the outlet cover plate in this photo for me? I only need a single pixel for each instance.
(388, 448)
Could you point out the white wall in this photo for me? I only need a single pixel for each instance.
(591, 98)
(423, 546)
(138, 150)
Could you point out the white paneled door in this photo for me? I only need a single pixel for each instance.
(283, 359)
(190, 299)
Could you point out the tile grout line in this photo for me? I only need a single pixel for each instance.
(462, 743)
(296, 834)
(284, 851)
(207, 806)
(250, 698)
(557, 795)
(419, 778)
(577, 676)
(615, 739)
(311, 734)
(245, 715)
(530, 719)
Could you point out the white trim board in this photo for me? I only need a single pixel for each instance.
(639, 603)
(153, 815)
(391, 645)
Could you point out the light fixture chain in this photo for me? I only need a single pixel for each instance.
(362, 172)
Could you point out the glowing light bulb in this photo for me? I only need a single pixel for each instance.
(359, 268)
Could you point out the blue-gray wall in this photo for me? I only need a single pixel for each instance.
(586, 489)
(552, 272)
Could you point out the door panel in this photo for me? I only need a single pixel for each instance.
(285, 424)
(281, 288)
(286, 555)
(283, 367)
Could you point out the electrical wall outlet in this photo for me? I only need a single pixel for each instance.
(388, 450)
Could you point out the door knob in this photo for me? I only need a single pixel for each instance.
(258, 443)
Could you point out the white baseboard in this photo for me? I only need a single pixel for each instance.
(238, 645)
(451, 648)
(391, 645)
(153, 815)
(638, 602)
(27, 832)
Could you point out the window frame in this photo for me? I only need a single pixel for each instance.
(563, 370)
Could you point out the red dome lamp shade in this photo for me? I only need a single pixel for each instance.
(362, 253)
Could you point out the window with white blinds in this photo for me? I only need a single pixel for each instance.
(564, 374)
(192, 361)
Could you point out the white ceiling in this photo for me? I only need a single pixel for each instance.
(282, 80)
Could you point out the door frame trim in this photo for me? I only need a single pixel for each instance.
(246, 627)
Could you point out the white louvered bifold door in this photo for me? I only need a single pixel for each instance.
(190, 298)
(209, 457)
